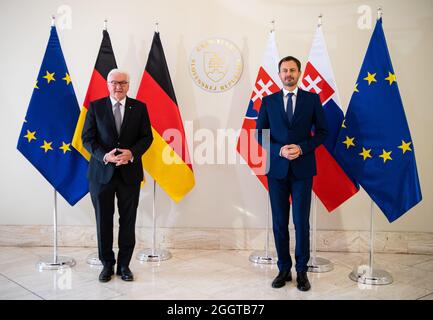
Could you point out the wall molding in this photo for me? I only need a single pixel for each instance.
(218, 238)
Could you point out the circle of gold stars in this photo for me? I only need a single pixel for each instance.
(366, 153)
(31, 135)
(371, 78)
(47, 145)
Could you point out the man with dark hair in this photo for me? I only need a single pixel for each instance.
(291, 114)
(290, 58)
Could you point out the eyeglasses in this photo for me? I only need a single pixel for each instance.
(116, 83)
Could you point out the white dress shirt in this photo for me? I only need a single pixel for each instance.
(122, 105)
(122, 113)
(285, 99)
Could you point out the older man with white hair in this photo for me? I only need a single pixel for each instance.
(117, 133)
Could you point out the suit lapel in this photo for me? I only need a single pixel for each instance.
(283, 115)
(111, 116)
(299, 105)
(128, 110)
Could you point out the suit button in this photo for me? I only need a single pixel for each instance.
(118, 143)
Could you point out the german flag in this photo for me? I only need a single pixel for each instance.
(97, 88)
(167, 160)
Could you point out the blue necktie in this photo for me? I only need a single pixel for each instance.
(289, 107)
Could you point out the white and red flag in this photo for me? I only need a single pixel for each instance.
(267, 82)
(331, 184)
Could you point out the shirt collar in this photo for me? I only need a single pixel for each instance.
(295, 92)
(114, 101)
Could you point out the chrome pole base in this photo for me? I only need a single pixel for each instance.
(260, 257)
(48, 263)
(93, 259)
(364, 275)
(319, 265)
(149, 255)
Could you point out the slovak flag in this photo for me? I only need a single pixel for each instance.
(331, 184)
(267, 82)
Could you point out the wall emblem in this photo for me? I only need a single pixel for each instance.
(216, 65)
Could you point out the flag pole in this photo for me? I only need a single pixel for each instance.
(267, 256)
(154, 219)
(152, 254)
(371, 236)
(93, 258)
(267, 231)
(379, 13)
(55, 261)
(368, 274)
(317, 264)
(55, 227)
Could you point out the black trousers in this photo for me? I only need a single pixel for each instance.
(103, 197)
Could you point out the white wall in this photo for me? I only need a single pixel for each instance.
(224, 196)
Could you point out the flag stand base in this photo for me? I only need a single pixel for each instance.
(263, 257)
(363, 274)
(266, 256)
(367, 274)
(153, 255)
(320, 265)
(317, 264)
(93, 259)
(47, 263)
(54, 261)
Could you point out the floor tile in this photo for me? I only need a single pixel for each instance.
(206, 274)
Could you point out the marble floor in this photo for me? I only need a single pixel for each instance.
(206, 274)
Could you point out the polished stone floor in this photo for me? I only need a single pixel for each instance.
(206, 274)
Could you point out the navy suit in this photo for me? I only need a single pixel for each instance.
(294, 177)
(107, 181)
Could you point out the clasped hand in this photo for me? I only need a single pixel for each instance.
(121, 158)
(291, 151)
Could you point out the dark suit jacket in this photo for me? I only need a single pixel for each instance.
(308, 113)
(100, 136)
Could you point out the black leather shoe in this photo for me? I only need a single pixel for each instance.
(302, 280)
(125, 273)
(281, 279)
(106, 274)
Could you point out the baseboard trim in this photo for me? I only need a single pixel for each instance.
(219, 238)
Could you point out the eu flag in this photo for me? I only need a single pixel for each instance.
(46, 135)
(374, 144)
